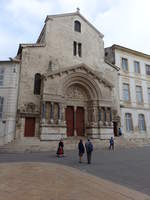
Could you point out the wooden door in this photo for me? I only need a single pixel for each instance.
(29, 127)
(80, 121)
(115, 129)
(70, 120)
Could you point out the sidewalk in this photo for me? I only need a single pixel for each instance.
(41, 181)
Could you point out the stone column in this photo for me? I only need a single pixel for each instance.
(63, 119)
(110, 115)
(51, 112)
(111, 123)
(105, 116)
(43, 111)
(100, 117)
(59, 112)
(94, 114)
(99, 114)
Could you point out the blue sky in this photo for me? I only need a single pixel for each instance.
(124, 22)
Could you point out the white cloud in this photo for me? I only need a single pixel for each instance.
(122, 22)
(127, 23)
(35, 8)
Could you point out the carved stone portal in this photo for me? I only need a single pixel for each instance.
(76, 92)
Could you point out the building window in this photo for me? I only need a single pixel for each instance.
(37, 84)
(147, 69)
(148, 89)
(77, 26)
(139, 94)
(1, 76)
(74, 48)
(141, 122)
(128, 121)
(79, 49)
(126, 94)
(136, 67)
(1, 106)
(125, 64)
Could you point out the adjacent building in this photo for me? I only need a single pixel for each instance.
(134, 90)
(9, 77)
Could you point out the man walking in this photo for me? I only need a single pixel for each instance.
(89, 149)
(111, 143)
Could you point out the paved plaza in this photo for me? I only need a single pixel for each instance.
(41, 181)
(126, 167)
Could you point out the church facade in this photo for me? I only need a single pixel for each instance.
(66, 88)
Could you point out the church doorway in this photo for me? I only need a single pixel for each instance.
(70, 120)
(80, 121)
(115, 125)
(75, 121)
(29, 127)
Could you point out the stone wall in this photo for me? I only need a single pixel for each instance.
(56, 54)
(9, 90)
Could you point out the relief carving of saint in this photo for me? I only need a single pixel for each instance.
(76, 92)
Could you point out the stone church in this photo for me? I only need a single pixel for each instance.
(66, 87)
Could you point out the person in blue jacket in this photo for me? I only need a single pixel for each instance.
(111, 143)
(81, 150)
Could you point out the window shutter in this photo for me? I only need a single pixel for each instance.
(1, 106)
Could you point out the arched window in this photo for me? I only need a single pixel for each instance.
(37, 83)
(141, 123)
(128, 121)
(77, 26)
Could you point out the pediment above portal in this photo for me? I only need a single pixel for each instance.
(81, 69)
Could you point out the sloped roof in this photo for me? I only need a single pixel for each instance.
(125, 49)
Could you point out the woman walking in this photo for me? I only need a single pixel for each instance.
(81, 150)
(60, 150)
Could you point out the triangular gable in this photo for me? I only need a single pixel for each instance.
(75, 14)
(81, 66)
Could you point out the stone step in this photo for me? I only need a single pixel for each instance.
(34, 144)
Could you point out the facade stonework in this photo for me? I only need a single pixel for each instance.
(78, 94)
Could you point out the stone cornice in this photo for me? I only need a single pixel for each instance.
(95, 74)
(114, 66)
(131, 51)
(31, 45)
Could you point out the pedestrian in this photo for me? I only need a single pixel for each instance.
(111, 143)
(81, 150)
(89, 149)
(120, 131)
(60, 149)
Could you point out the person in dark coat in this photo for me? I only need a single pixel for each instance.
(111, 143)
(60, 150)
(81, 150)
(89, 149)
